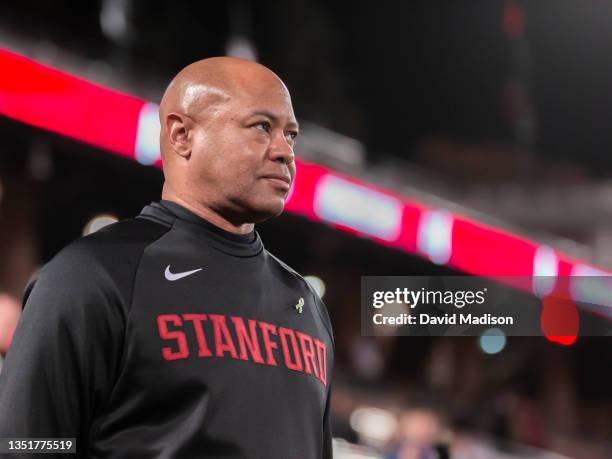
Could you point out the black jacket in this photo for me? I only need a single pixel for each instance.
(164, 336)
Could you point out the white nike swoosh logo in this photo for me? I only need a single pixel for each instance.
(176, 276)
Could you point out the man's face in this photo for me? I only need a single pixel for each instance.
(242, 152)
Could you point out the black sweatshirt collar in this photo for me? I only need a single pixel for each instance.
(233, 244)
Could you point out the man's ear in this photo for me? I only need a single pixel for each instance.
(179, 130)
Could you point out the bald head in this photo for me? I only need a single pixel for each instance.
(218, 117)
(200, 87)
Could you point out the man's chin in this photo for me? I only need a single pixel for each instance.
(268, 211)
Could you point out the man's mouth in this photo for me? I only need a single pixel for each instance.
(282, 181)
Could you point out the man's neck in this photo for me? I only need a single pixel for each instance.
(208, 214)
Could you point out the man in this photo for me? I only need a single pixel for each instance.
(176, 334)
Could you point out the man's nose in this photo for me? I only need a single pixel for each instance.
(281, 149)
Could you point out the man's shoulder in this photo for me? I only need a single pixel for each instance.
(287, 270)
(113, 243)
(284, 266)
(133, 234)
(105, 259)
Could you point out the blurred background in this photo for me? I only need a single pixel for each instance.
(438, 138)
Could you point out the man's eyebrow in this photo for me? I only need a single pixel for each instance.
(273, 117)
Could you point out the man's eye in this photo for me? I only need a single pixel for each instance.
(264, 126)
(291, 135)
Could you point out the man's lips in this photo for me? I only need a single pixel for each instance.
(283, 180)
